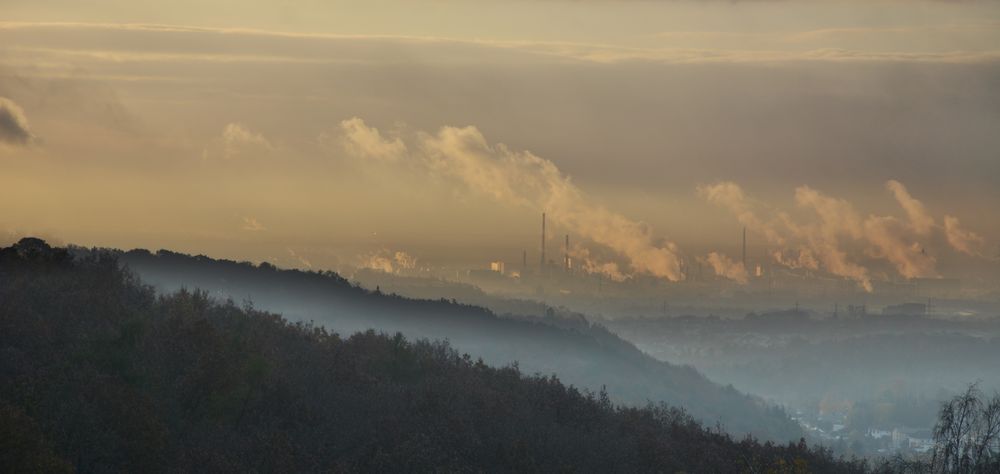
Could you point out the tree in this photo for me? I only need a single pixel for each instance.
(966, 434)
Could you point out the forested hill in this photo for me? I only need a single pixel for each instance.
(584, 356)
(98, 373)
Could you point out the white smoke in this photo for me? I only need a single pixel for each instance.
(837, 220)
(377, 262)
(727, 267)
(385, 260)
(920, 221)
(524, 179)
(590, 264)
(404, 261)
(890, 240)
(964, 241)
(827, 242)
(803, 259)
(730, 195)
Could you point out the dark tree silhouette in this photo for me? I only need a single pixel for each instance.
(968, 434)
(98, 373)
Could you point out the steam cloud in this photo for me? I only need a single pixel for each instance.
(964, 241)
(726, 267)
(14, 128)
(919, 220)
(585, 261)
(523, 179)
(827, 241)
(388, 261)
(838, 240)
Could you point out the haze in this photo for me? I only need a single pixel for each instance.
(318, 133)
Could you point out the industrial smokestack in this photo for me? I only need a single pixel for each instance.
(566, 255)
(541, 269)
(524, 261)
(744, 247)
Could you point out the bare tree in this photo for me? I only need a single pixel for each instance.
(967, 434)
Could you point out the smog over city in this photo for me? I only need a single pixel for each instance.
(523, 236)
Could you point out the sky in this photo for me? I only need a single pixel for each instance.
(857, 137)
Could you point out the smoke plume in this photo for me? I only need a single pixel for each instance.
(588, 263)
(726, 267)
(919, 220)
(829, 241)
(385, 260)
(964, 241)
(524, 179)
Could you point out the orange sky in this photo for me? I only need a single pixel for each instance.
(259, 130)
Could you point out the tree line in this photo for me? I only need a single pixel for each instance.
(99, 373)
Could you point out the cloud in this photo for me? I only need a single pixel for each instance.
(14, 129)
(366, 142)
(246, 45)
(252, 224)
(726, 267)
(524, 179)
(238, 140)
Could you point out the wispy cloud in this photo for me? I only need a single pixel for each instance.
(14, 129)
(145, 44)
(237, 141)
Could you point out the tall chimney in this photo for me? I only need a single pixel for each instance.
(541, 269)
(566, 254)
(745, 248)
(524, 261)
